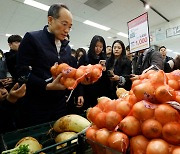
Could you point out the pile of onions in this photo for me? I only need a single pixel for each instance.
(145, 114)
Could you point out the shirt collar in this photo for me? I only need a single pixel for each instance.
(145, 52)
(52, 37)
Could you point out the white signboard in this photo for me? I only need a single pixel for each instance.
(138, 31)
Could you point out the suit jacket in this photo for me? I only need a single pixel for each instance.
(39, 51)
(151, 58)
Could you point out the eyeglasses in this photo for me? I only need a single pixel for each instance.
(64, 24)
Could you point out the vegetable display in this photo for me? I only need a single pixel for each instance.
(26, 145)
(72, 122)
(64, 128)
(145, 119)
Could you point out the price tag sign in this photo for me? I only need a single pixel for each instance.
(138, 31)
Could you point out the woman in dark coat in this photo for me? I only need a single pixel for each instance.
(119, 68)
(97, 52)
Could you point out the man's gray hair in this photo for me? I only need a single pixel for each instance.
(54, 10)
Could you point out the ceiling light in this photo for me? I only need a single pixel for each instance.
(123, 34)
(109, 37)
(8, 35)
(147, 6)
(169, 50)
(90, 23)
(37, 5)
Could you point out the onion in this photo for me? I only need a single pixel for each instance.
(143, 110)
(91, 133)
(92, 113)
(176, 75)
(32, 142)
(63, 137)
(146, 75)
(176, 150)
(121, 93)
(110, 106)
(130, 126)
(173, 84)
(164, 94)
(69, 72)
(144, 91)
(118, 141)
(135, 83)
(178, 96)
(171, 133)
(157, 146)
(164, 113)
(100, 120)
(159, 78)
(151, 128)
(102, 136)
(123, 108)
(112, 120)
(80, 75)
(102, 101)
(138, 144)
(132, 99)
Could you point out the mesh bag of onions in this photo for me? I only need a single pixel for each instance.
(145, 119)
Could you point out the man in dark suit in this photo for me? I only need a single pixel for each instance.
(45, 97)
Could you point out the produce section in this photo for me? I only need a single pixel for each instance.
(142, 120)
(145, 119)
(44, 138)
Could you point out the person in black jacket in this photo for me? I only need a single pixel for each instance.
(11, 56)
(173, 64)
(3, 66)
(97, 52)
(148, 59)
(119, 68)
(166, 58)
(39, 50)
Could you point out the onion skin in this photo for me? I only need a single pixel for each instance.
(100, 120)
(164, 94)
(144, 91)
(151, 128)
(171, 133)
(65, 136)
(102, 136)
(112, 120)
(32, 142)
(142, 110)
(176, 150)
(123, 108)
(164, 113)
(157, 146)
(92, 113)
(138, 144)
(91, 133)
(130, 126)
(118, 141)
